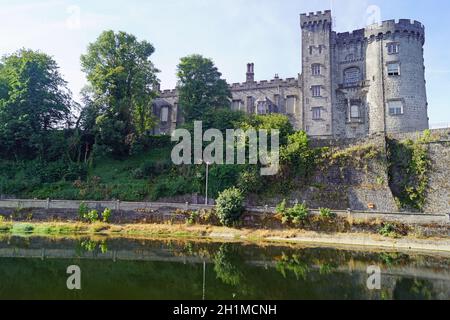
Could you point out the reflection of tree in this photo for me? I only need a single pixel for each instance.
(226, 266)
(413, 289)
(293, 264)
(92, 246)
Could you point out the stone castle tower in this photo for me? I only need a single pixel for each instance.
(351, 85)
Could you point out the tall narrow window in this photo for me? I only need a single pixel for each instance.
(250, 105)
(354, 112)
(393, 69)
(317, 113)
(236, 105)
(395, 107)
(393, 48)
(316, 69)
(316, 91)
(164, 114)
(262, 107)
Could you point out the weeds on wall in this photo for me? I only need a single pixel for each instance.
(409, 166)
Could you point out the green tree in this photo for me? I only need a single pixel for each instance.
(34, 103)
(123, 81)
(200, 87)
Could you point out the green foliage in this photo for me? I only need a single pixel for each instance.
(327, 213)
(92, 216)
(296, 215)
(83, 210)
(123, 81)
(201, 89)
(297, 154)
(281, 208)
(226, 266)
(409, 166)
(229, 206)
(393, 230)
(293, 264)
(34, 102)
(106, 215)
(270, 122)
(250, 181)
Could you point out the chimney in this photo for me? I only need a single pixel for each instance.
(251, 72)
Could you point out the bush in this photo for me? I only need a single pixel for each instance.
(393, 230)
(296, 215)
(106, 215)
(229, 207)
(83, 210)
(327, 213)
(92, 216)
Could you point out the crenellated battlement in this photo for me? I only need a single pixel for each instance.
(350, 37)
(265, 84)
(169, 93)
(402, 27)
(396, 27)
(318, 17)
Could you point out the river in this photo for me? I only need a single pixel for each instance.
(110, 268)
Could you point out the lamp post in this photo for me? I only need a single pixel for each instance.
(207, 178)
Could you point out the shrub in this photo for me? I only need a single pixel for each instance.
(106, 215)
(327, 213)
(393, 230)
(92, 216)
(193, 217)
(229, 206)
(296, 215)
(281, 208)
(83, 210)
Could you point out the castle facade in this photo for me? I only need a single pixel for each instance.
(351, 85)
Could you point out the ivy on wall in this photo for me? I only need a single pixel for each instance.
(409, 167)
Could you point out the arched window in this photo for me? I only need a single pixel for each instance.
(354, 112)
(352, 76)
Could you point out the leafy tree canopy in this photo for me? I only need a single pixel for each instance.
(123, 81)
(200, 87)
(34, 100)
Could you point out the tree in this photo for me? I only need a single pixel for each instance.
(123, 80)
(34, 102)
(200, 87)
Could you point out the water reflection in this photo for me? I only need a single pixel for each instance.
(35, 268)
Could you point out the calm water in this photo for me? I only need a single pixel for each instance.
(35, 268)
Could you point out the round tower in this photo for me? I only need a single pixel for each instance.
(395, 71)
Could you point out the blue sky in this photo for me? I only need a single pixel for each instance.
(231, 32)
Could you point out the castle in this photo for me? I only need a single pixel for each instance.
(352, 84)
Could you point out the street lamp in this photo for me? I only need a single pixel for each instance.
(207, 178)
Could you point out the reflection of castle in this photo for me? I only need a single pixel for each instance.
(352, 84)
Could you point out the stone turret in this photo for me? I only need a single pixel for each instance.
(316, 64)
(395, 68)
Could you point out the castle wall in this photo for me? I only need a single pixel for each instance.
(277, 96)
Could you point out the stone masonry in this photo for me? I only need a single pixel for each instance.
(351, 85)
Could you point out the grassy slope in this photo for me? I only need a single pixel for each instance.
(107, 179)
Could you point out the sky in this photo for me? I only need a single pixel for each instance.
(231, 32)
